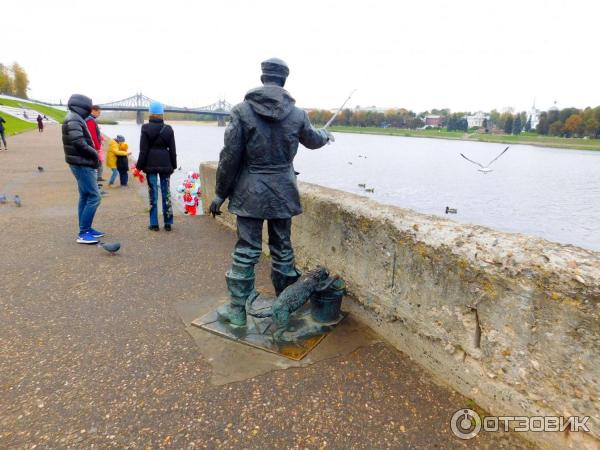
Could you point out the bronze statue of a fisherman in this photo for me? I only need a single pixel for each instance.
(256, 173)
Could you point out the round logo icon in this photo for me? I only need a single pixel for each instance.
(465, 424)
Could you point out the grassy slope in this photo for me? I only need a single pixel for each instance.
(524, 138)
(14, 125)
(56, 114)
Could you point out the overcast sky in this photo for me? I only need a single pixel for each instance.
(462, 54)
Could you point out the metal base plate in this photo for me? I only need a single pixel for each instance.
(303, 333)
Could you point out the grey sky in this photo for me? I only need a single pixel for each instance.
(465, 55)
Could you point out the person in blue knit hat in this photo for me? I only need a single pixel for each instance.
(158, 159)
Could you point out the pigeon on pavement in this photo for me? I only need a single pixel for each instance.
(110, 247)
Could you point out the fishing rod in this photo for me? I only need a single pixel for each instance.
(338, 111)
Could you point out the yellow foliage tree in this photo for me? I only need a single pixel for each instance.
(21, 81)
(574, 125)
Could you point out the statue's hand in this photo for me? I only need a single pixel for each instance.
(327, 135)
(215, 206)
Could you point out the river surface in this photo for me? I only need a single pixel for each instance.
(547, 192)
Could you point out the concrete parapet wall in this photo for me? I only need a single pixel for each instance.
(509, 320)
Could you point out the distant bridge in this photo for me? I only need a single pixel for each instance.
(139, 103)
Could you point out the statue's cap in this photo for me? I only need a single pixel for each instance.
(275, 67)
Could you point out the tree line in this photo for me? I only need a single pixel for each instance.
(396, 118)
(566, 122)
(13, 80)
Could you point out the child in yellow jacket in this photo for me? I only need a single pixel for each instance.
(118, 150)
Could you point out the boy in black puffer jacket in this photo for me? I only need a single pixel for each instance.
(83, 161)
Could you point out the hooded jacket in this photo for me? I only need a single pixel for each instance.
(157, 148)
(77, 141)
(256, 170)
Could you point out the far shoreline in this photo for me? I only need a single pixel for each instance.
(575, 144)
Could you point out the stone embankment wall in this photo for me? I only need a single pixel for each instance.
(509, 320)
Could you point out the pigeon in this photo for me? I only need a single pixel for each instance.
(451, 210)
(40, 169)
(2, 199)
(486, 169)
(110, 247)
(17, 200)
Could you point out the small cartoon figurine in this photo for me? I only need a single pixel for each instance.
(190, 202)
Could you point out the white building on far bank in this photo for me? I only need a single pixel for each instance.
(534, 116)
(477, 119)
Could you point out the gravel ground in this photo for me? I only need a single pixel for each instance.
(96, 351)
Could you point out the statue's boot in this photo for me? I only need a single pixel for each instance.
(281, 280)
(240, 286)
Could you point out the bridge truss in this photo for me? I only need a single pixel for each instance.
(140, 102)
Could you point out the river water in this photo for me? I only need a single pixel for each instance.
(551, 193)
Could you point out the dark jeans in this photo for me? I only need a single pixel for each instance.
(153, 186)
(3, 138)
(249, 244)
(123, 177)
(89, 195)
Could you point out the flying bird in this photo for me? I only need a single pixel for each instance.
(486, 169)
(451, 210)
(17, 200)
(110, 247)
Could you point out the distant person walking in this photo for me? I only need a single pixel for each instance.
(92, 124)
(158, 159)
(40, 121)
(2, 122)
(83, 161)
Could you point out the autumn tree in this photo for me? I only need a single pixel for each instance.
(21, 81)
(574, 125)
(6, 81)
(495, 118)
(592, 127)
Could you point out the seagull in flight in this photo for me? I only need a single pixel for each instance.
(486, 169)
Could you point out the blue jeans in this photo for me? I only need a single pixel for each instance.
(113, 176)
(89, 195)
(153, 197)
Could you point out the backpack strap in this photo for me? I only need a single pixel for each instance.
(157, 136)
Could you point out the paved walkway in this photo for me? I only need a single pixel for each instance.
(96, 351)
